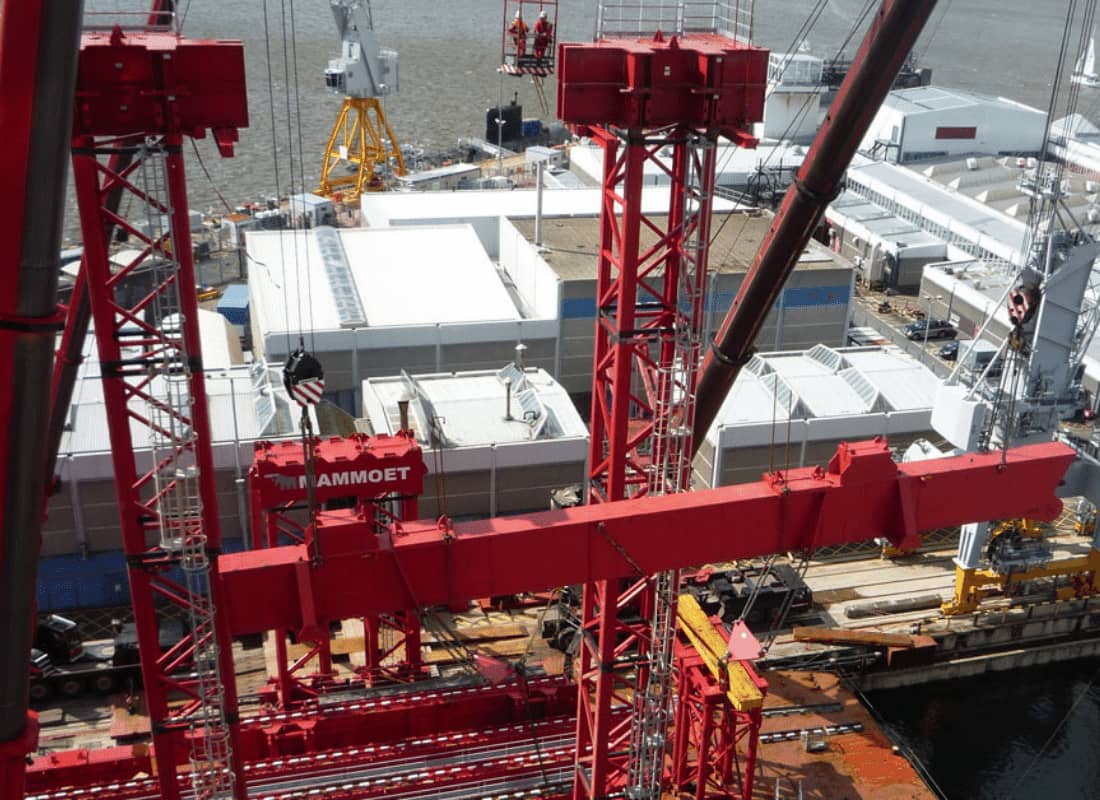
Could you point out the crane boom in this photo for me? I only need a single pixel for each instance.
(889, 39)
(38, 50)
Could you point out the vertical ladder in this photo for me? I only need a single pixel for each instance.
(177, 498)
(670, 468)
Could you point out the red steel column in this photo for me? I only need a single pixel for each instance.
(133, 514)
(204, 452)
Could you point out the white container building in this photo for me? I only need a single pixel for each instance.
(495, 441)
(935, 122)
(370, 302)
(792, 409)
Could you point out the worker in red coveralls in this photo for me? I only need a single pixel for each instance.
(518, 29)
(544, 33)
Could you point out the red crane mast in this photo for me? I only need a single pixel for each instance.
(142, 93)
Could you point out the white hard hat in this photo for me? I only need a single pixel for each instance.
(517, 13)
(542, 14)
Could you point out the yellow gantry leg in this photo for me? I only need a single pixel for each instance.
(363, 139)
(974, 585)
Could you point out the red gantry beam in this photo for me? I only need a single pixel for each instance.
(862, 494)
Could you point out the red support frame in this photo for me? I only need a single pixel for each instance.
(120, 330)
(709, 731)
(378, 472)
(387, 731)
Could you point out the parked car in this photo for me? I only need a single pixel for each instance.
(936, 329)
(949, 351)
(204, 291)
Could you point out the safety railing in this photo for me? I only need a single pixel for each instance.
(731, 18)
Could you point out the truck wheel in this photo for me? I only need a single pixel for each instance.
(39, 691)
(71, 687)
(103, 683)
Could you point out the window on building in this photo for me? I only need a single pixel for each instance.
(956, 133)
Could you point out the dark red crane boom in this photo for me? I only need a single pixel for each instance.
(895, 28)
(38, 48)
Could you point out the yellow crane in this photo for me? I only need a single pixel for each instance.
(361, 139)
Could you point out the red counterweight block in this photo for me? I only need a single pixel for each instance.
(702, 82)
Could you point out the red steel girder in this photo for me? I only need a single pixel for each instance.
(359, 733)
(862, 494)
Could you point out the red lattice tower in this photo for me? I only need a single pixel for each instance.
(709, 731)
(640, 99)
(140, 94)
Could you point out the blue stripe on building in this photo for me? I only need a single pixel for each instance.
(794, 298)
(579, 308)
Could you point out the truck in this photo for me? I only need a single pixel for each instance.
(62, 664)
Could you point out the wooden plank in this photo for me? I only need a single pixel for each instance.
(853, 637)
(480, 633)
(127, 724)
(509, 648)
(743, 693)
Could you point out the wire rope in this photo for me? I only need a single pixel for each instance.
(275, 169)
(302, 167)
(290, 150)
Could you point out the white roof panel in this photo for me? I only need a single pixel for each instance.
(829, 383)
(380, 209)
(471, 407)
(401, 276)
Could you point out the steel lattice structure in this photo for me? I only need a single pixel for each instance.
(632, 95)
(650, 305)
(146, 324)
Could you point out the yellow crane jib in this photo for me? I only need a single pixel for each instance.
(741, 690)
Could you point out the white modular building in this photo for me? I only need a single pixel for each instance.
(558, 259)
(495, 441)
(371, 302)
(934, 122)
(792, 409)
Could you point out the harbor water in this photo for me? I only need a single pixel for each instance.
(1011, 736)
(1021, 735)
(450, 50)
